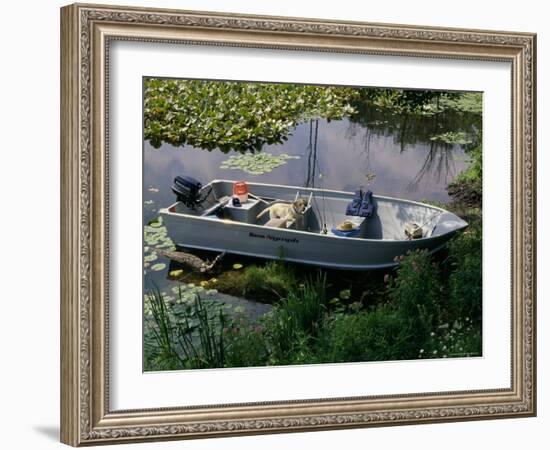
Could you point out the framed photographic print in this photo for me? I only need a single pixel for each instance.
(276, 224)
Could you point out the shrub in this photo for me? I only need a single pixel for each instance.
(296, 320)
(465, 280)
(246, 345)
(460, 339)
(382, 333)
(301, 329)
(416, 288)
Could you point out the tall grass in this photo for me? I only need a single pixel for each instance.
(163, 355)
(296, 320)
(265, 283)
(200, 335)
(275, 277)
(465, 280)
(416, 293)
(190, 338)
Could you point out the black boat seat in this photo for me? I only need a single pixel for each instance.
(220, 203)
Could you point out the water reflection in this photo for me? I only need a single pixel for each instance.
(410, 130)
(397, 157)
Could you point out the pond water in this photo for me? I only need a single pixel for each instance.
(391, 154)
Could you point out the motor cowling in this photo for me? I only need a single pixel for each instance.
(187, 190)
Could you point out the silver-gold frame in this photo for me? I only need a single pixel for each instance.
(86, 32)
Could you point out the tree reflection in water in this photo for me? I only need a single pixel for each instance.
(409, 129)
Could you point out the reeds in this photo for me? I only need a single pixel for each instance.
(192, 336)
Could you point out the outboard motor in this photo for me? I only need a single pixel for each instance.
(187, 191)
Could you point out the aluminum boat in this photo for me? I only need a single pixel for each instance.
(215, 223)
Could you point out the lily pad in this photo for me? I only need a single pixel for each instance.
(256, 164)
(452, 138)
(234, 115)
(159, 266)
(150, 258)
(155, 223)
(237, 266)
(176, 273)
(179, 288)
(345, 294)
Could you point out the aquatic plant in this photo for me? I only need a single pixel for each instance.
(150, 257)
(200, 336)
(155, 235)
(453, 138)
(234, 115)
(263, 283)
(402, 100)
(256, 164)
(275, 277)
(420, 102)
(160, 339)
(345, 294)
(188, 334)
(465, 102)
(155, 223)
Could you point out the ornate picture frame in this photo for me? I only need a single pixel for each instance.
(86, 34)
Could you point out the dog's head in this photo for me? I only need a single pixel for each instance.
(299, 205)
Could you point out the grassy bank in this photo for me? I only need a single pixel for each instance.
(429, 308)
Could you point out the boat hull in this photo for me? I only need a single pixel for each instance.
(325, 250)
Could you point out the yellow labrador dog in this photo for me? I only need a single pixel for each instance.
(286, 211)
